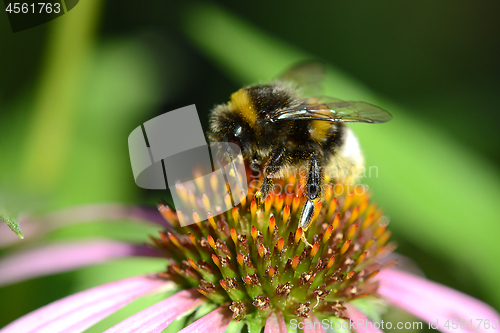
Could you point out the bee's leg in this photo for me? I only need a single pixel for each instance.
(313, 192)
(274, 165)
(265, 188)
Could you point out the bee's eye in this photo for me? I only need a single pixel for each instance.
(237, 131)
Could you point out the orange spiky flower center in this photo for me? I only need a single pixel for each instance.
(252, 259)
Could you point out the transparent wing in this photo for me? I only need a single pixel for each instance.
(307, 75)
(334, 111)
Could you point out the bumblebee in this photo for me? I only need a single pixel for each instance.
(280, 131)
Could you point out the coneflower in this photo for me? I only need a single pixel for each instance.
(252, 264)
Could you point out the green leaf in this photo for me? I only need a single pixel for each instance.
(439, 194)
(13, 225)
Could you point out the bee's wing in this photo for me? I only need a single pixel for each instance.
(334, 111)
(307, 75)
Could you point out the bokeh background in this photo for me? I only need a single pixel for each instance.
(73, 89)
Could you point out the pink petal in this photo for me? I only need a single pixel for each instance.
(65, 257)
(78, 312)
(275, 323)
(214, 322)
(155, 318)
(312, 325)
(34, 227)
(433, 302)
(359, 322)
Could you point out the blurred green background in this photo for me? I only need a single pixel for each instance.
(73, 89)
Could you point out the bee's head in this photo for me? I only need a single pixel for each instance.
(227, 125)
(244, 120)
